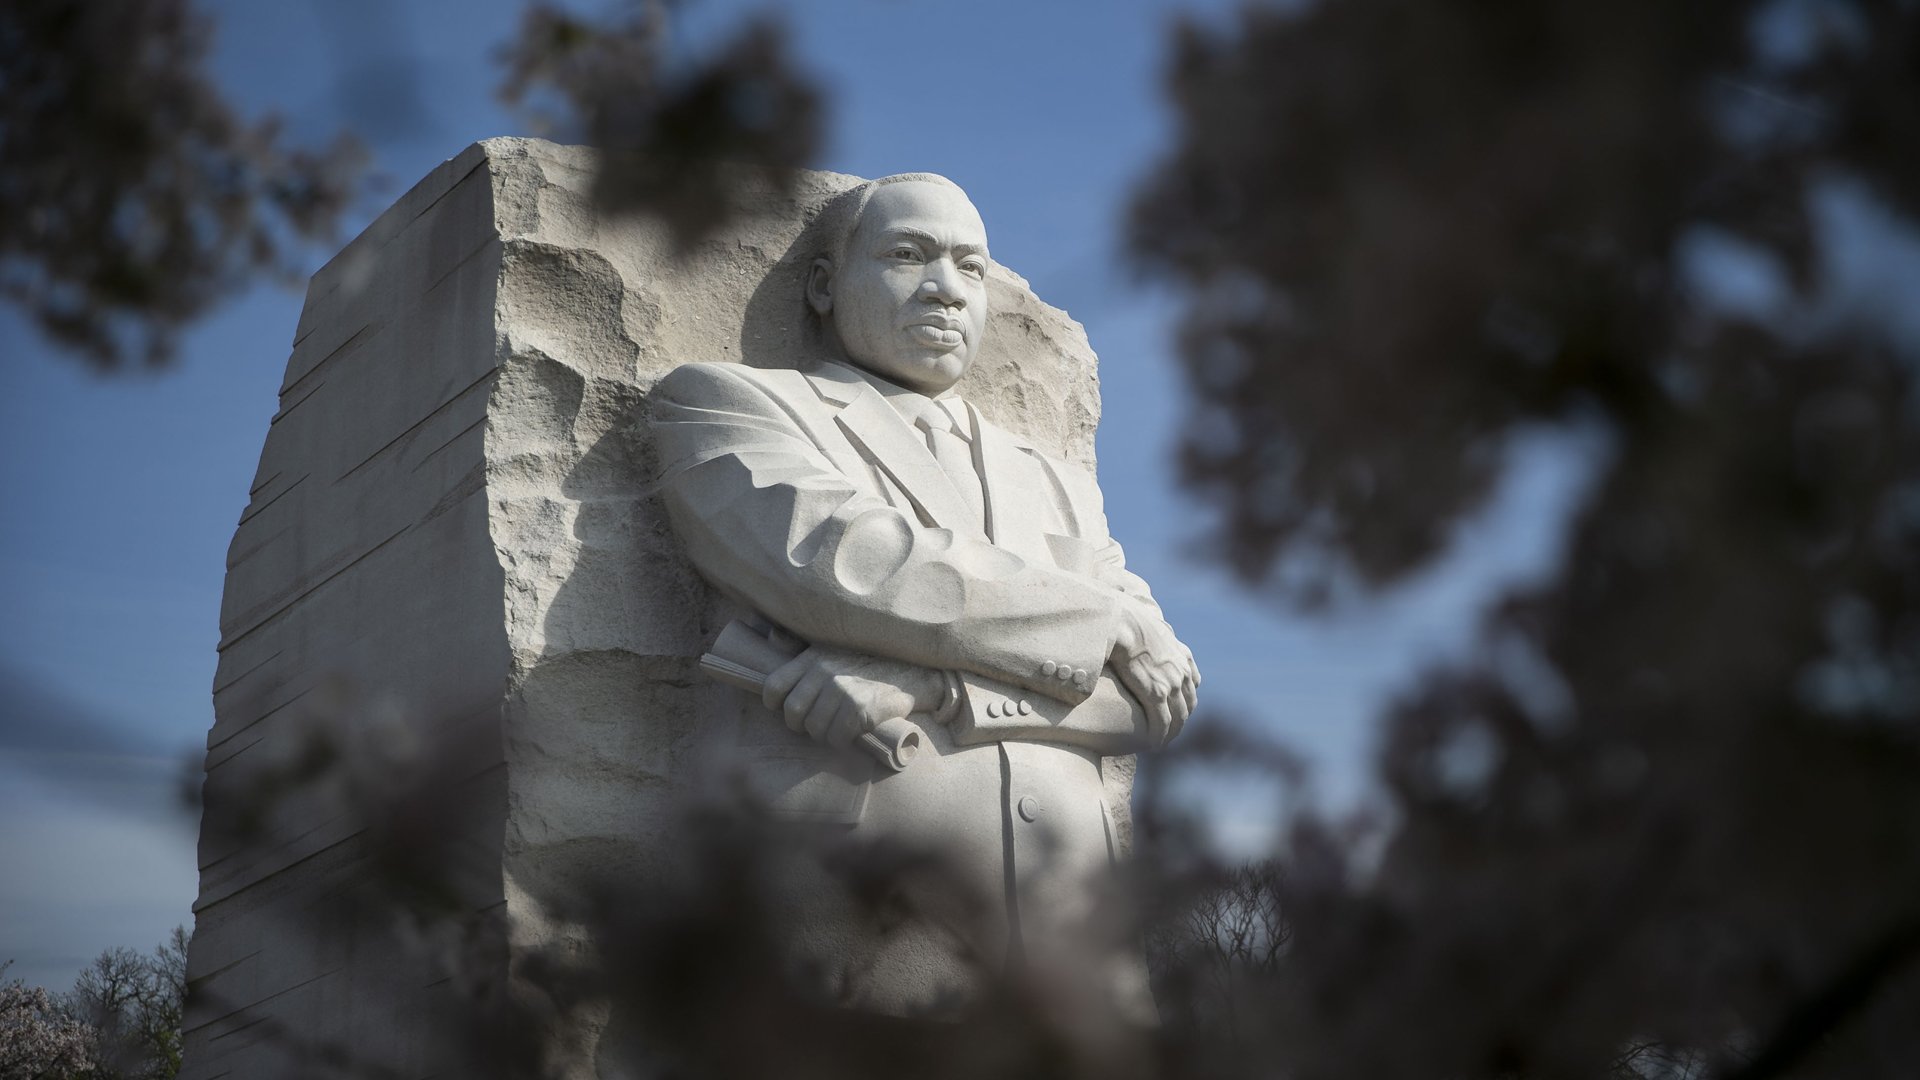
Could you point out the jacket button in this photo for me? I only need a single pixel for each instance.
(1026, 707)
(1080, 676)
(1063, 673)
(1049, 667)
(1029, 808)
(993, 708)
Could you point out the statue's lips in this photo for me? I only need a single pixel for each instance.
(935, 335)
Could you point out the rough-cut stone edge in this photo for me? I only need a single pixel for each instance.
(518, 229)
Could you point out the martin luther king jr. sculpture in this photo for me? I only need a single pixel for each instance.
(928, 565)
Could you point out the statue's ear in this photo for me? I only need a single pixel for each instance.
(820, 286)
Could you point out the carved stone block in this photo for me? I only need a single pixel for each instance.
(454, 541)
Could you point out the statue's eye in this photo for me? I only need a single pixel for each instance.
(903, 253)
(974, 267)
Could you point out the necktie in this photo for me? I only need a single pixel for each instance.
(955, 456)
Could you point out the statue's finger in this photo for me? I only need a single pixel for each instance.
(846, 725)
(1153, 697)
(1149, 692)
(819, 717)
(802, 698)
(784, 678)
(1159, 722)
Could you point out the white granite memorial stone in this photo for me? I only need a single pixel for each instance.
(506, 425)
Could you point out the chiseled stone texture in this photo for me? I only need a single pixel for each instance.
(454, 528)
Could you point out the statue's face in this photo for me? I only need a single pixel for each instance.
(910, 302)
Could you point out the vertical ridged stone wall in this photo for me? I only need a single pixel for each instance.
(453, 544)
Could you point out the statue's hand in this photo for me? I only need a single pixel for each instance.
(1157, 668)
(835, 696)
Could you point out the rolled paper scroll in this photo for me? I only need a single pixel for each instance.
(740, 657)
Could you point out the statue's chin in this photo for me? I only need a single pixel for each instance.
(930, 371)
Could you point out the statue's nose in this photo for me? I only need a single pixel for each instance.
(942, 284)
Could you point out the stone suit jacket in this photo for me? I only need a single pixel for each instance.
(806, 496)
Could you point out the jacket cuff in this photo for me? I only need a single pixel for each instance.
(1109, 722)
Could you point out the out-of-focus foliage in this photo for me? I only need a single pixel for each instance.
(39, 1038)
(673, 132)
(1406, 232)
(1666, 820)
(132, 195)
(681, 971)
(1664, 823)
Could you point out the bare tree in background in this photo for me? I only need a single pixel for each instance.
(1218, 957)
(121, 1020)
(132, 1005)
(1672, 803)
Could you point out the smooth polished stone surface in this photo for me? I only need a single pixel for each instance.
(455, 528)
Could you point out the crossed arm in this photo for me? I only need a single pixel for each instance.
(886, 602)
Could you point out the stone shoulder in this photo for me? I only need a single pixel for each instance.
(706, 383)
(740, 388)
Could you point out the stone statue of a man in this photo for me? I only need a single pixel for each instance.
(940, 568)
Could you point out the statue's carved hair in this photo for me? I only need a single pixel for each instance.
(834, 225)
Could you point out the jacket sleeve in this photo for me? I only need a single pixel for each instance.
(1108, 722)
(770, 520)
(1110, 562)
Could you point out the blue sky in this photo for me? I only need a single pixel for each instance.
(121, 494)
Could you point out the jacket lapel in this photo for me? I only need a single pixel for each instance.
(876, 430)
(1015, 487)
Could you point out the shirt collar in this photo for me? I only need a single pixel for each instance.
(911, 403)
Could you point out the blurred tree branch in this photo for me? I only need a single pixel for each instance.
(674, 134)
(1665, 816)
(133, 196)
(1672, 792)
